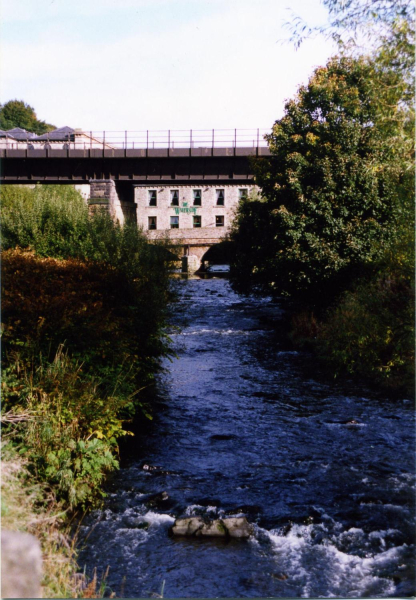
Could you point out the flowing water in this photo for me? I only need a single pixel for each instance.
(245, 426)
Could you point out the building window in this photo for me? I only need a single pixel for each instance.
(220, 197)
(174, 222)
(174, 197)
(197, 221)
(152, 197)
(219, 221)
(197, 197)
(152, 223)
(242, 194)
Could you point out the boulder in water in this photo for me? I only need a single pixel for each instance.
(235, 527)
(187, 526)
(238, 527)
(214, 528)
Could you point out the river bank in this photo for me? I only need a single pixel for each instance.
(83, 317)
(246, 426)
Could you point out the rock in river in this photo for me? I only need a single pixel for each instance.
(235, 527)
(238, 527)
(187, 526)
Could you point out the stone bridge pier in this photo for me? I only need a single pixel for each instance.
(117, 198)
(192, 259)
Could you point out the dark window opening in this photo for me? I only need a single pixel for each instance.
(197, 197)
(197, 221)
(174, 222)
(242, 194)
(219, 221)
(152, 197)
(152, 223)
(174, 197)
(220, 197)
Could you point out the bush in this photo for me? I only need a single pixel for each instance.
(370, 332)
(83, 332)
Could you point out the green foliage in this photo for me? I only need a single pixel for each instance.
(371, 330)
(337, 214)
(16, 113)
(384, 31)
(52, 220)
(104, 298)
(69, 427)
(331, 202)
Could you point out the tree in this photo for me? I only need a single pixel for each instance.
(383, 30)
(330, 199)
(359, 24)
(17, 113)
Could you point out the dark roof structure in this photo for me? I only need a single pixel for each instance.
(5, 134)
(57, 135)
(20, 134)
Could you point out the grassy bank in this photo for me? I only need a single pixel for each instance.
(27, 507)
(83, 307)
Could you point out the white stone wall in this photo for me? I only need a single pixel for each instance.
(208, 211)
(84, 190)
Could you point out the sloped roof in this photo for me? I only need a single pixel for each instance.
(60, 134)
(20, 134)
(5, 134)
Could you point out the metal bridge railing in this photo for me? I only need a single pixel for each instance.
(148, 139)
(177, 138)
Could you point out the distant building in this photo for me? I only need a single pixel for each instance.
(63, 138)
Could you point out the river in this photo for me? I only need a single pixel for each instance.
(246, 426)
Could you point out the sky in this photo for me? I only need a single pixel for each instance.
(156, 64)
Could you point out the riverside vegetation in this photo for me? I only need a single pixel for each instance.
(333, 226)
(83, 315)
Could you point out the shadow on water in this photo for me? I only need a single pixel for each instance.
(246, 426)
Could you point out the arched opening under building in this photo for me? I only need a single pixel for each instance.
(219, 256)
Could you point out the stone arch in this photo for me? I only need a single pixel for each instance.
(218, 254)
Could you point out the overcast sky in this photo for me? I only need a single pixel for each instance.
(155, 64)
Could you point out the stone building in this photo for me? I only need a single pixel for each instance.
(178, 207)
(195, 217)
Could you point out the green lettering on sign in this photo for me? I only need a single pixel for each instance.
(178, 210)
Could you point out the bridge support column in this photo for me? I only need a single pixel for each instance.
(190, 264)
(103, 195)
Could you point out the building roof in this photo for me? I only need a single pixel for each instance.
(60, 134)
(5, 134)
(20, 134)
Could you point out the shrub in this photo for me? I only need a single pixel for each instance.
(370, 332)
(83, 332)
